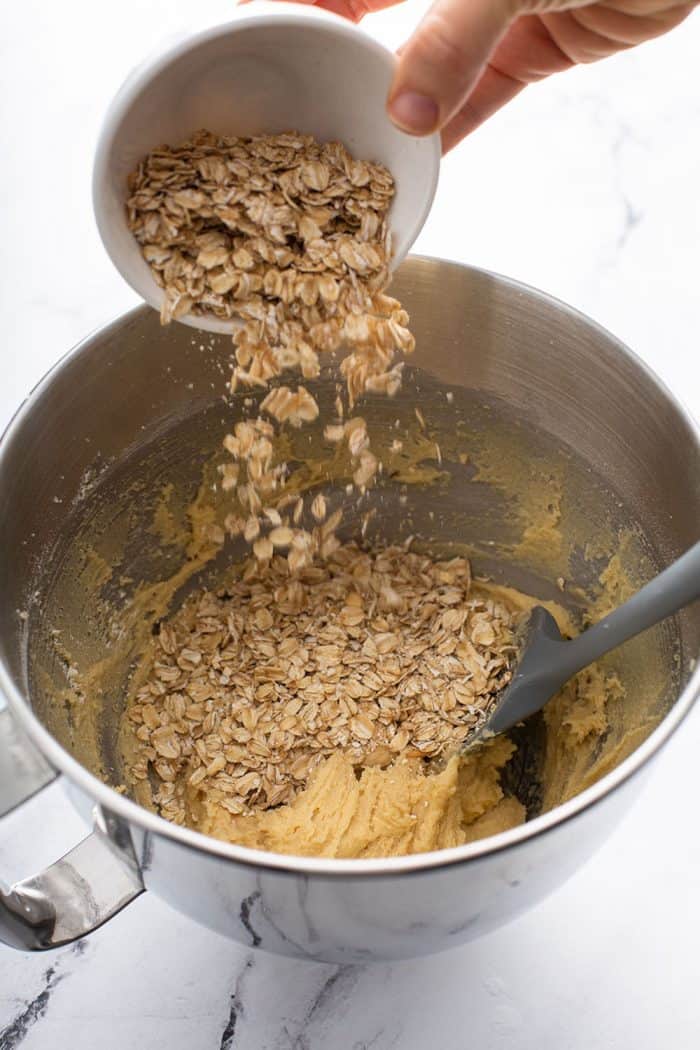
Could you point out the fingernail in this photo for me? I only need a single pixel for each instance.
(414, 113)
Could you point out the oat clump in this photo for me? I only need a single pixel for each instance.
(316, 646)
(378, 654)
(285, 233)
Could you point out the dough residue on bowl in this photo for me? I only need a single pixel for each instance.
(322, 713)
(314, 699)
(380, 813)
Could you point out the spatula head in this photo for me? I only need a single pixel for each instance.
(537, 675)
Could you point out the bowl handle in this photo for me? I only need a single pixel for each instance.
(83, 889)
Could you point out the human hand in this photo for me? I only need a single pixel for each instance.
(467, 58)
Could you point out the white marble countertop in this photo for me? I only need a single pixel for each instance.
(587, 186)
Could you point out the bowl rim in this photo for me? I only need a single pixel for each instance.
(331, 868)
(249, 16)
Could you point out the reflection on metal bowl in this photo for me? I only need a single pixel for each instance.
(562, 457)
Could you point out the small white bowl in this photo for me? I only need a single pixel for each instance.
(274, 67)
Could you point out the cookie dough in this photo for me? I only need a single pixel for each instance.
(381, 812)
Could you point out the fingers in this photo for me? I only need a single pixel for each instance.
(360, 8)
(527, 53)
(626, 28)
(443, 60)
(492, 91)
(354, 10)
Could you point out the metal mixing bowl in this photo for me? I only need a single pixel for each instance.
(547, 414)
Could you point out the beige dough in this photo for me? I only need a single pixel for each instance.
(381, 813)
(347, 811)
(592, 725)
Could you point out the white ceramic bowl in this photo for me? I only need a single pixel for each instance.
(272, 68)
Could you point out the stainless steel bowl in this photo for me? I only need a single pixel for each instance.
(135, 405)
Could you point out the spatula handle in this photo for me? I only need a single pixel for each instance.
(673, 589)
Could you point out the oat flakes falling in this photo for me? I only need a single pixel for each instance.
(290, 236)
(316, 646)
(285, 233)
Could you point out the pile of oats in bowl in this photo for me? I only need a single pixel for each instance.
(316, 646)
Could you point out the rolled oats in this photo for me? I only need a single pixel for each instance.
(290, 237)
(380, 654)
(315, 645)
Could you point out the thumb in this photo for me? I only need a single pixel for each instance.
(442, 61)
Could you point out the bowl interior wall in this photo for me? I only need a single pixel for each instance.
(546, 454)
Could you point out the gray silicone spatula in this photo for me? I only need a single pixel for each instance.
(546, 660)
